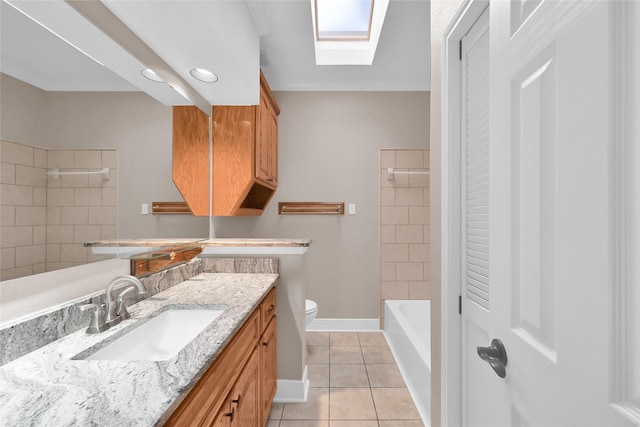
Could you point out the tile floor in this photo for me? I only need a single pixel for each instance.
(354, 382)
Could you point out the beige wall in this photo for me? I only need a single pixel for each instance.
(132, 123)
(442, 13)
(404, 226)
(329, 144)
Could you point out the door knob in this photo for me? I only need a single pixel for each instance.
(496, 356)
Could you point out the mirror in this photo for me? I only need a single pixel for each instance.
(61, 110)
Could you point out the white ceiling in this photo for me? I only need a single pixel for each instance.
(226, 36)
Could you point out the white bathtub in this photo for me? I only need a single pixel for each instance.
(407, 326)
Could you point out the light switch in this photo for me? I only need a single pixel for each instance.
(352, 208)
(144, 210)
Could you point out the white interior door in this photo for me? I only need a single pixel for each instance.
(553, 181)
(475, 244)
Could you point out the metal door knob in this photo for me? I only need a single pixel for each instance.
(496, 356)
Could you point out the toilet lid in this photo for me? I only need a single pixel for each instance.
(310, 305)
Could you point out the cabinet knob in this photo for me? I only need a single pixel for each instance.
(236, 400)
(231, 414)
(265, 343)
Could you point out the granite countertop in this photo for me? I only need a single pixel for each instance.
(48, 387)
(235, 242)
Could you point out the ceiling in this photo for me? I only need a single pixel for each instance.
(231, 37)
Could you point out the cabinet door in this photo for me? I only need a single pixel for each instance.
(269, 368)
(272, 146)
(263, 137)
(225, 416)
(246, 393)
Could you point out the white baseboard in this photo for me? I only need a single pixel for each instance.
(292, 391)
(344, 325)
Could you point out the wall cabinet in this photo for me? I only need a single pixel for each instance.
(233, 392)
(243, 158)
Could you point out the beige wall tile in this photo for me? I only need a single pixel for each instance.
(7, 173)
(54, 215)
(109, 197)
(74, 215)
(419, 252)
(388, 271)
(73, 253)
(51, 266)
(410, 159)
(40, 158)
(39, 196)
(394, 290)
(409, 197)
(399, 180)
(419, 180)
(387, 158)
(39, 234)
(103, 215)
(427, 158)
(96, 181)
(16, 195)
(29, 255)
(60, 197)
(427, 270)
(427, 196)
(14, 273)
(387, 234)
(39, 268)
(418, 215)
(409, 234)
(419, 290)
(60, 159)
(31, 215)
(109, 159)
(426, 233)
(86, 233)
(387, 196)
(88, 197)
(16, 236)
(30, 176)
(18, 154)
(60, 234)
(108, 232)
(87, 159)
(394, 215)
(53, 252)
(53, 183)
(74, 181)
(7, 258)
(7, 216)
(409, 271)
(394, 252)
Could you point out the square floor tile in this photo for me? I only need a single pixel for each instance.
(377, 354)
(315, 408)
(351, 404)
(372, 338)
(401, 423)
(384, 375)
(348, 375)
(394, 404)
(318, 375)
(317, 338)
(345, 354)
(272, 423)
(304, 423)
(344, 338)
(358, 423)
(317, 354)
(276, 411)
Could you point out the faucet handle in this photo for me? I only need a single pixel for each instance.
(121, 307)
(97, 320)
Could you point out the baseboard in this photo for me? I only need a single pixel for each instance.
(344, 325)
(292, 391)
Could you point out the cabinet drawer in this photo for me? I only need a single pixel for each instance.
(268, 308)
(208, 395)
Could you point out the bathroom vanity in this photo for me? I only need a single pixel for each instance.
(58, 385)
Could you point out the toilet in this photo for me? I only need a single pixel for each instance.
(311, 311)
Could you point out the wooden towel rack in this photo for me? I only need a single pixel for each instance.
(310, 208)
(166, 208)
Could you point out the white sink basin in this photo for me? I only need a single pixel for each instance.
(161, 338)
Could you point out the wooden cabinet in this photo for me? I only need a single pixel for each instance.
(233, 392)
(244, 157)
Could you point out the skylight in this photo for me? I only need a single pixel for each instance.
(346, 32)
(343, 19)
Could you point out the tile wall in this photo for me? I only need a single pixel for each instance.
(44, 222)
(404, 226)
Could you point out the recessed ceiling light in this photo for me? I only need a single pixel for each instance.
(204, 75)
(151, 75)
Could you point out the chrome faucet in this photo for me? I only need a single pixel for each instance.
(115, 309)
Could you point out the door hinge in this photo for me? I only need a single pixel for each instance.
(459, 304)
(460, 50)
